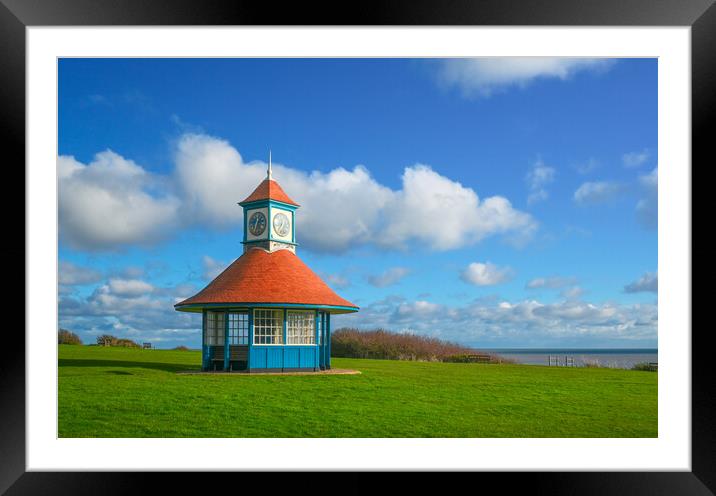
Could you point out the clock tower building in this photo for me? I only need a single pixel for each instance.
(267, 310)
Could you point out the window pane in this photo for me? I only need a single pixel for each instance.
(214, 328)
(268, 326)
(238, 328)
(300, 327)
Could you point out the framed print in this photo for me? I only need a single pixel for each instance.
(418, 238)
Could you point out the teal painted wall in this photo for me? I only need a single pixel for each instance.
(282, 357)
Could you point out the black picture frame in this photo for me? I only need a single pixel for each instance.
(16, 15)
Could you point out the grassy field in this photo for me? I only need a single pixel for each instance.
(118, 392)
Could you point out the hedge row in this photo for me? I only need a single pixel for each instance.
(379, 343)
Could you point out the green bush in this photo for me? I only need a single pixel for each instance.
(68, 337)
(109, 340)
(106, 340)
(646, 366)
(127, 343)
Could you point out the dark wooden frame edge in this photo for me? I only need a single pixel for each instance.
(16, 15)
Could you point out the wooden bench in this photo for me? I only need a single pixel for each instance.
(217, 355)
(554, 359)
(236, 354)
(479, 358)
(239, 353)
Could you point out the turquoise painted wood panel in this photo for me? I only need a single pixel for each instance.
(257, 358)
(291, 358)
(308, 357)
(283, 357)
(274, 357)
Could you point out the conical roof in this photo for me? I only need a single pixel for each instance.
(259, 276)
(269, 190)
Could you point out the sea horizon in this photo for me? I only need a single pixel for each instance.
(572, 349)
(624, 358)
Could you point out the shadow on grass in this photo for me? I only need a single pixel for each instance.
(168, 367)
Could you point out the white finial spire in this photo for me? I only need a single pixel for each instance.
(269, 167)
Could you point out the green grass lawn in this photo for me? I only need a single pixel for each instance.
(118, 392)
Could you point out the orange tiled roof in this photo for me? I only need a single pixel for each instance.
(269, 190)
(258, 276)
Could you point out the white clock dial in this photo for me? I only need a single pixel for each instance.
(281, 224)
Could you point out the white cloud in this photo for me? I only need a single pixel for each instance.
(573, 293)
(442, 214)
(485, 274)
(130, 272)
(114, 202)
(482, 77)
(125, 300)
(569, 289)
(646, 213)
(635, 159)
(420, 308)
(538, 177)
(650, 181)
(592, 193)
(133, 309)
(554, 282)
(503, 323)
(109, 203)
(647, 208)
(212, 268)
(588, 166)
(212, 178)
(649, 282)
(578, 312)
(129, 287)
(71, 274)
(337, 281)
(339, 209)
(388, 277)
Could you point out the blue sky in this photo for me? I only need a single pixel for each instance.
(493, 202)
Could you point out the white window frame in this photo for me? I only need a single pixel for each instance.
(302, 331)
(268, 319)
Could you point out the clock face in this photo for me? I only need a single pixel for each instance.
(257, 223)
(281, 224)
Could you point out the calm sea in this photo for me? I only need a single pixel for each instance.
(617, 358)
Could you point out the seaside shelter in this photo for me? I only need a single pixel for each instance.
(267, 311)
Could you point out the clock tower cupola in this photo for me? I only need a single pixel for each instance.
(269, 216)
